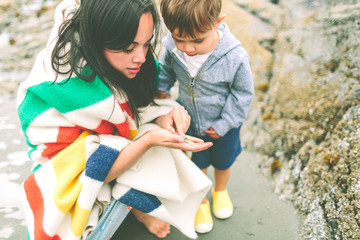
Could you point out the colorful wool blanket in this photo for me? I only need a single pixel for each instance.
(75, 131)
(62, 194)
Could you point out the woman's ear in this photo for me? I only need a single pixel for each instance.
(220, 19)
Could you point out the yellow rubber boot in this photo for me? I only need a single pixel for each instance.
(203, 219)
(222, 205)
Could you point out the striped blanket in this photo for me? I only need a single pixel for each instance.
(76, 130)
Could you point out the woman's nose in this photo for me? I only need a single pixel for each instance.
(140, 56)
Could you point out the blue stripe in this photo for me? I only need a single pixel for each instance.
(141, 201)
(100, 162)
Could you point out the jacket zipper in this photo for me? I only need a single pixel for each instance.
(193, 98)
(192, 83)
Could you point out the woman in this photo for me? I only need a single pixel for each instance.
(80, 107)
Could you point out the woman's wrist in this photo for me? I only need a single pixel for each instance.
(158, 121)
(146, 140)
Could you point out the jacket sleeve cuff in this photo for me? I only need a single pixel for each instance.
(221, 127)
(164, 88)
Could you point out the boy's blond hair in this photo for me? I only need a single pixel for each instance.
(190, 16)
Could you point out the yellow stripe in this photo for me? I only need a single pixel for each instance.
(132, 134)
(68, 165)
(79, 217)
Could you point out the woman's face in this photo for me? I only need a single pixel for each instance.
(129, 61)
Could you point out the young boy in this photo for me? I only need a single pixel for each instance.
(215, 87)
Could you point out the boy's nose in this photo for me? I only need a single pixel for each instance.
(188, 48)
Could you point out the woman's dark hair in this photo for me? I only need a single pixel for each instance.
(110, 24)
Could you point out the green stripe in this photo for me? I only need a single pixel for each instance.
(28, 110)
(157, 72)
(36, 167)
(30, 151)
(72, 95)
(64, 97)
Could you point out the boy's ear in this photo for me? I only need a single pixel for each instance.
(220, 19)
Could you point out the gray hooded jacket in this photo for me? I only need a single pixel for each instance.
(220, 94)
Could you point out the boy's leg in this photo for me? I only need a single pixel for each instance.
(226, 149)
(222, 178)
(222, 204)
(205, 172)
(202, 161)
(223, 155)
(203, 218)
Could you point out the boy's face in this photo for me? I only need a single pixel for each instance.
(202, 43)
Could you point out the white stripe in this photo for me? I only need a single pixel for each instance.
(64, 230)
(51, 118)
(36, 155)
(119, 190)
(89, 191)
(47, 182)
(115, 142)
(92, 143)
(91, 116)
(38, 135)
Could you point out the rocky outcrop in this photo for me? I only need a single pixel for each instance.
(24, 29)
(306, 114)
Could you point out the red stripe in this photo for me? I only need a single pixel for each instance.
(68, 134)
(53, 148)
(123, 129)
(105, 127)
(36, 203)
(126, 107)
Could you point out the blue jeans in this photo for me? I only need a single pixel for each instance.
(222, 154)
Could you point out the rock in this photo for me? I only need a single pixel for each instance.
(313, 104)
(23, 34)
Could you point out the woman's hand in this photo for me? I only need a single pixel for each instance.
(176, 121)
(155, 137)
(165, 138)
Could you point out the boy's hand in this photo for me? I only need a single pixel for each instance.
(212, 133)
(162, 95)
